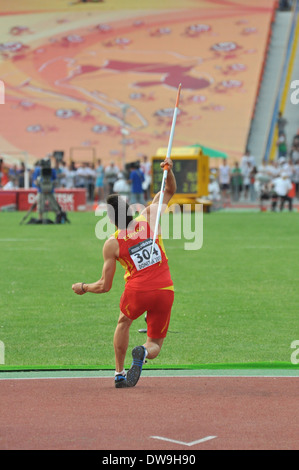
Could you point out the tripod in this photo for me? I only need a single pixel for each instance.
(45, 197)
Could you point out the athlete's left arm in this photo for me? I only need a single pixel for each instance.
(105, 283)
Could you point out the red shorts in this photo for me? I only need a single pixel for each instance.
(157, 303)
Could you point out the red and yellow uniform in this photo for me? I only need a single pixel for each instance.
(149, 287)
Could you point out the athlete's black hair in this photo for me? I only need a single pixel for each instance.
(119, 211)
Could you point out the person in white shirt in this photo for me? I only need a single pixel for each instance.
(295, 154)
(247, 159)
(214, 189)
(70, 176)
(121, 186)
(281, 187)
(100, 173)
(296, 178)
(274, 169)
(288, 168)
(146, 168)
(224, 180)
(246, 172)
(111, 173)
(81, 177)
(264, 169)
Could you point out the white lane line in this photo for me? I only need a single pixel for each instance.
(188, 444)
(9, 376)
(148, 374)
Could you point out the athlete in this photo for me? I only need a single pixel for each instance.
(149, 287)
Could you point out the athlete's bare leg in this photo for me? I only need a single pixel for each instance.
(153, 347)
(121, 341)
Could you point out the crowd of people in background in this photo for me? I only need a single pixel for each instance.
(276, 181)
(99, 180)
(11, 177)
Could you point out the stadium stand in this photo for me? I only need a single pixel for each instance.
(76, 81)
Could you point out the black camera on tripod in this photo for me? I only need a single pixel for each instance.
(46, 201)
(45, 181)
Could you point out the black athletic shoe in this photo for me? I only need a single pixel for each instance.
(134, 373)
(120, 381)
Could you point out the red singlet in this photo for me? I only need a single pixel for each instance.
(134, 254)
(149, 288)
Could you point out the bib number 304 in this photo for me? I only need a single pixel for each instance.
(141, 254)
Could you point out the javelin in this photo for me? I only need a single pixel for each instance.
(166, 168)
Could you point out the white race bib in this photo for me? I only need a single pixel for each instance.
(141, 254)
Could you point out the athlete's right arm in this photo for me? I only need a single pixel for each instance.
(170, 187)
(150, 212)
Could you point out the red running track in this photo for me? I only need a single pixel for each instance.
(244, 413)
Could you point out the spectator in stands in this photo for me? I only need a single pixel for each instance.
(214, 190)
(294, 153)
(122, 187)
(247, 158)
(59, 172)
(63, 174)
(90, 181)
(13, 176)
(285, 5)
(253, 173)
(296, 178)
(21, 176)
(281, 123)
(100, 173)
(282, 186)
(224, 180)
(246, 172)
(236, 182)
(296, 139)
(264, 169)
(146, 168)
(282, 145)
(274, 169)
(111, 174)
(287, 167)
(264, 190)
(136, 180)
(81, 177)
(70, 176)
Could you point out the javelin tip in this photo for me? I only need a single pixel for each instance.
(178, 96)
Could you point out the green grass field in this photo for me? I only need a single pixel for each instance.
(236, 298)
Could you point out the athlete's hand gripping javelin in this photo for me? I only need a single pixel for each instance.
(167, 162)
